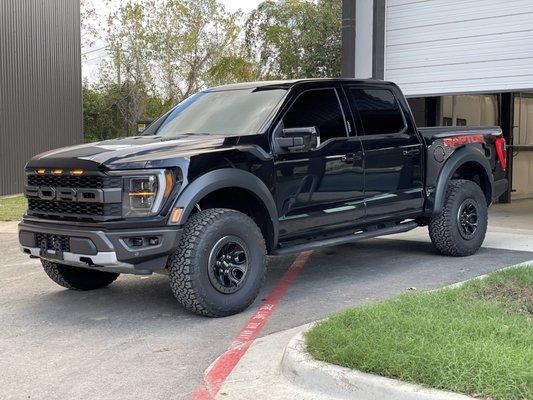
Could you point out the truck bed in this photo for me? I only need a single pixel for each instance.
(448, 131)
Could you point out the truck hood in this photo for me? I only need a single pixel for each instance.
(131, 152)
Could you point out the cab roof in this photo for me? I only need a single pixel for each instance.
(287, 84)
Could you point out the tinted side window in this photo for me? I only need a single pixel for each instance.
(318, 108)
(379, 110)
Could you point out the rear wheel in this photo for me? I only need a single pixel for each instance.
(459, 230)
(220, 263)
(78, 278)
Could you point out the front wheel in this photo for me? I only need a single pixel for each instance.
(78, 278)
(459, 230)
(220, 263)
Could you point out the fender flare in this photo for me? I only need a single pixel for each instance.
(458, 158)
(224, 178)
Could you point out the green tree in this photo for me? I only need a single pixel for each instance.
(188, 38)
(163, 51)
(93, 107)
(233, 69)
(127, 76)
(101, 118)
(296, 38)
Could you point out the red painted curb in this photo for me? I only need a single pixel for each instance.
(217, 375)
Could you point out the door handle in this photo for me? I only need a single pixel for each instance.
(411, 152)
(350, 158)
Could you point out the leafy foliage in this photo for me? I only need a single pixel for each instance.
(295, 38)
(232, 69)
(188, 38)
(163, 51)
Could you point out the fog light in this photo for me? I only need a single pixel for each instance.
(153, 241)
(136, 242)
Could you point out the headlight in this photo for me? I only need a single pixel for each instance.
(145, 191)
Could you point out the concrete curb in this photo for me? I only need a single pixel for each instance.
(331, 380)
(459, 284)
(302, 370)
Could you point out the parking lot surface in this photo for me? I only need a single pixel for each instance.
(133, 341)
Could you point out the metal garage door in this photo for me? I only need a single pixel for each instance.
(449, 46)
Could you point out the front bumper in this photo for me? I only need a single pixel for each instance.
(105, 250)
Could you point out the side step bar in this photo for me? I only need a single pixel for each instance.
(354, 237)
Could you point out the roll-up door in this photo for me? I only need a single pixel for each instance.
(436, 47)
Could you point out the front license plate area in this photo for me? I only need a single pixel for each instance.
(50, 254)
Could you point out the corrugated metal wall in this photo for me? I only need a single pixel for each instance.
(40, 82)
(459, 46)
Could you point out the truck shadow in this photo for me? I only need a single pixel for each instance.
(334, 278)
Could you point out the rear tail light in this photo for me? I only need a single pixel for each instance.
(501, 151)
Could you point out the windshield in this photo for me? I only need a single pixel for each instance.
(228, 113)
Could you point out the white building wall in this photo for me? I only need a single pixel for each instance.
(363, 38)
(436, 47)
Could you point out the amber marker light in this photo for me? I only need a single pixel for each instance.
(57, 171)
(169, 181)
(41, 171)
(142, 194)
(76, 172)
(176, 215)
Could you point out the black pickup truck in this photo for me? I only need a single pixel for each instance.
(237, 172)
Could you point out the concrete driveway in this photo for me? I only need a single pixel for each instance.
(132, 340)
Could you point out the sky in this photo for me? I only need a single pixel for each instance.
(94, 55)
(245, 5)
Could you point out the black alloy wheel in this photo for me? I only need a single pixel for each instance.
(467, 219)
(228, 264)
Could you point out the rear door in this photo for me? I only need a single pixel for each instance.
(322, 186)
(393, 150)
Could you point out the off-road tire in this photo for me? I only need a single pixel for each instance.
(188, 266)
(78, 278)
(444, 229)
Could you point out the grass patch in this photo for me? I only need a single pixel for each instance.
(12, 208)
(476, 339)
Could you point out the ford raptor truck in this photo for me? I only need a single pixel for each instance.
(238, 172)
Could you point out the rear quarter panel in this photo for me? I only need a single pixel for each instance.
(439, 152)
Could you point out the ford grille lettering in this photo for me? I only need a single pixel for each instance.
(66, 194)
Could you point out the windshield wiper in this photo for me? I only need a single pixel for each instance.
(177, 136)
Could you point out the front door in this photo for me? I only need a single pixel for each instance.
(393, 153)
(322, 185)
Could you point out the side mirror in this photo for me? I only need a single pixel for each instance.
(298, 139)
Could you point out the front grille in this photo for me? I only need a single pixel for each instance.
(91, 197)
(65, 207)
(66, 181)
(52, 242)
